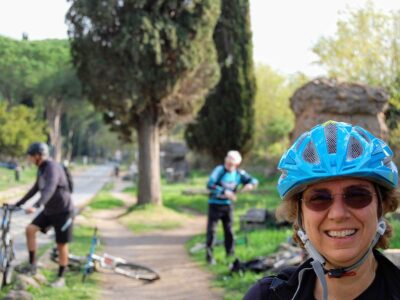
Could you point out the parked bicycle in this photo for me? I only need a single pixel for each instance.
(7, 253)
(103, 263)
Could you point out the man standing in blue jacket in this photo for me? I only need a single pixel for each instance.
(223, 184)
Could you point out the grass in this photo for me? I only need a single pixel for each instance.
(74, 289)
(7, 177)
(105, 200)
(145, 218)
(173, 197)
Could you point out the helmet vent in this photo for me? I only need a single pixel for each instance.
(355, 149)
(300, 140)
(360, 132)
(331, 137)
(388, 163)
(310, 154)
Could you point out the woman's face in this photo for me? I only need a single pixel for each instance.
(340, 232)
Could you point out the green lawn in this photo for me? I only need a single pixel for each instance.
(105, 200)
(7, 177)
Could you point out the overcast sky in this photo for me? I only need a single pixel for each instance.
(284, 31)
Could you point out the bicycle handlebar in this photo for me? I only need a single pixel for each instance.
(10, 207)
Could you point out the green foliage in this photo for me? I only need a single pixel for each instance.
(226, 120)
(62, 85)
(395, 240)
(24, 63)
(274, 119)
(366, 47)
(146, 65)
(19, 127)
(144, 57)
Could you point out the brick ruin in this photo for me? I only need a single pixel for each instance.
(325, 99)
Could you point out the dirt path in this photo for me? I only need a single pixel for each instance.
(181, 277)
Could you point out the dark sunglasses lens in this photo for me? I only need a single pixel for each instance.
(318, 202)
(358, 199)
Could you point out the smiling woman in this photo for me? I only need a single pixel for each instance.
(338, 181)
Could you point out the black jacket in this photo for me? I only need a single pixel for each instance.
(52, 183)
(283, 286)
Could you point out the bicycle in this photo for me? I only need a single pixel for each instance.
(7, 253)
(101, 263)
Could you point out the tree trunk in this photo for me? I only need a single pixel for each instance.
(149, 160)
(68, 155)
(53, 115)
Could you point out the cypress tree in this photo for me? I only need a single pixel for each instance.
(226, 120)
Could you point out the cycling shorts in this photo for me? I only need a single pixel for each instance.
(62, 224)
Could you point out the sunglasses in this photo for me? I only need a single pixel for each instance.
(353, 197)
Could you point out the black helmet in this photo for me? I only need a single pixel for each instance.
(38, 148)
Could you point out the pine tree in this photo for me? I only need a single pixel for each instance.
(145, 64)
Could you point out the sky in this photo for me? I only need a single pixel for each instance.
(284, 31)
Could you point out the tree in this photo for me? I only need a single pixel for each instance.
(41, 72)
(19, 127)
(274, 119)
(146, 64)
(18, 70)
(226, 120)
(59, 92)
(366, 48)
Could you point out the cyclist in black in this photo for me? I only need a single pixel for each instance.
(57, 211)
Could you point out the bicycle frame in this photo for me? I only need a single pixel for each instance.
(89, 262)
(7, 253)
(108, 261)
(94, 262)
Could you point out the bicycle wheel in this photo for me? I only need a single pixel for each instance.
(136, 271)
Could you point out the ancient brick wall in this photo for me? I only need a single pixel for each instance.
(325, 99)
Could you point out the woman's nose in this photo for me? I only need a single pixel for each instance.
(338, 210)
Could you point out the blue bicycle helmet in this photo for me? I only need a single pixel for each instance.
(335, 149)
